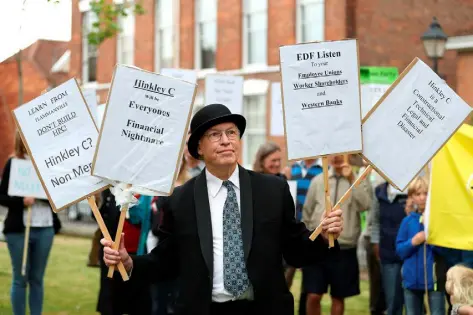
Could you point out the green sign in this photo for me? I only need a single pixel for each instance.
(379, 75)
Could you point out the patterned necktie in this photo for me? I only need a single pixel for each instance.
(234, 267)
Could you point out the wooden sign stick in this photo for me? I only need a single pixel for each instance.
(357, 183)
(118, 235)
(328, 203)
(347, 194)
(106, 234)
(27, 241)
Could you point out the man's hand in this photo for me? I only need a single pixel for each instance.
(112, 257)
(333, 224)
(419, 238)
(28, 201)
(347, 172)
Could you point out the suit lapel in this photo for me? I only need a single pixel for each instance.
(204, 223)
(246, 202)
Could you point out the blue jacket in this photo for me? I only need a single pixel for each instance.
(391, 215)
(413, 256)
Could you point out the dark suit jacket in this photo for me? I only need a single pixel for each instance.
(269, 230)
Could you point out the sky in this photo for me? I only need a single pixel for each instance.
(39, 19)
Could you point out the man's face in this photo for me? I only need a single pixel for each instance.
(220, 145)
(336, 161)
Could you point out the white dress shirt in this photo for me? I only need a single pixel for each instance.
(217, 196)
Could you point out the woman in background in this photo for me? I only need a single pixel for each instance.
(44, 224)
(268, 160)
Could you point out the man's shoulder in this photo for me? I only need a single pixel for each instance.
(184, 189)
(266, 179)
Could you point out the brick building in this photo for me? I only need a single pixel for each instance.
(242, 37)
(42, 67)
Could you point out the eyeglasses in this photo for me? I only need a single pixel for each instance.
(215, 136)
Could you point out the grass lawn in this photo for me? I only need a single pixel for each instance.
(71, 287)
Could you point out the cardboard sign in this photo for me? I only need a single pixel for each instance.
(90, 97)
(60, 135)
(144, 129)
(375, 81)
(181, 74)
(321, 99)
(226, 90)
(23, 180)
(410, 123)
(277, 120)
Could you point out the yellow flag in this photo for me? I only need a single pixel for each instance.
(450, 206)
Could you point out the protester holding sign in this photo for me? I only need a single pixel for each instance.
(341, 273)
(226, 214)
(44, 224)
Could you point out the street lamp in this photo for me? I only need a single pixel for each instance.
(434, 40)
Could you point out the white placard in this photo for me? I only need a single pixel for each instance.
(144, 128)
(293, 190)
(226, 90)
(90, 97)
(181, 74)
(321, 98)
(277, 121)
(370, 95)
(100, 113)
(60, 135)
(23, 180)
(411, 124)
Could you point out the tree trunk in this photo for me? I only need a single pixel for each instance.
(20, 78)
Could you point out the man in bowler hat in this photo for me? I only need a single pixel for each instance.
(225, 232)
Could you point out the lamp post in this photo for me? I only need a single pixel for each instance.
(434, 40)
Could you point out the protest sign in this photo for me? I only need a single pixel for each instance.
(24, 181)
(374, 83)
(277, 121)
(181, 74)
(321, 99)
(410, 123)
(143, 130)
(226, 90)
(90, 97)
(60, 135)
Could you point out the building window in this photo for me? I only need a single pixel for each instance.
(89, 52)
(126, 38)
(255, 30)
(254, 109)
(164, 41)
(205, 34)
(310, 20)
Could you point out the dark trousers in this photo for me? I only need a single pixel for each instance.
(117, 297)
(233, 308)
(377, 301)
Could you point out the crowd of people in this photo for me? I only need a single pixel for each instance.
(404, 272)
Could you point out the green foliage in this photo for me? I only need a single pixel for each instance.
(107, 14)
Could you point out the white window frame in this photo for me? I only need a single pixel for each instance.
(123, 34)
(245, 37)
(299, 25)
(197, 47)
(175, 35)
(85, 49)
(259, 131)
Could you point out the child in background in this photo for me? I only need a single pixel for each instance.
(460, 287)
(410, 248)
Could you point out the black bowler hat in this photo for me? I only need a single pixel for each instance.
(208, 117)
